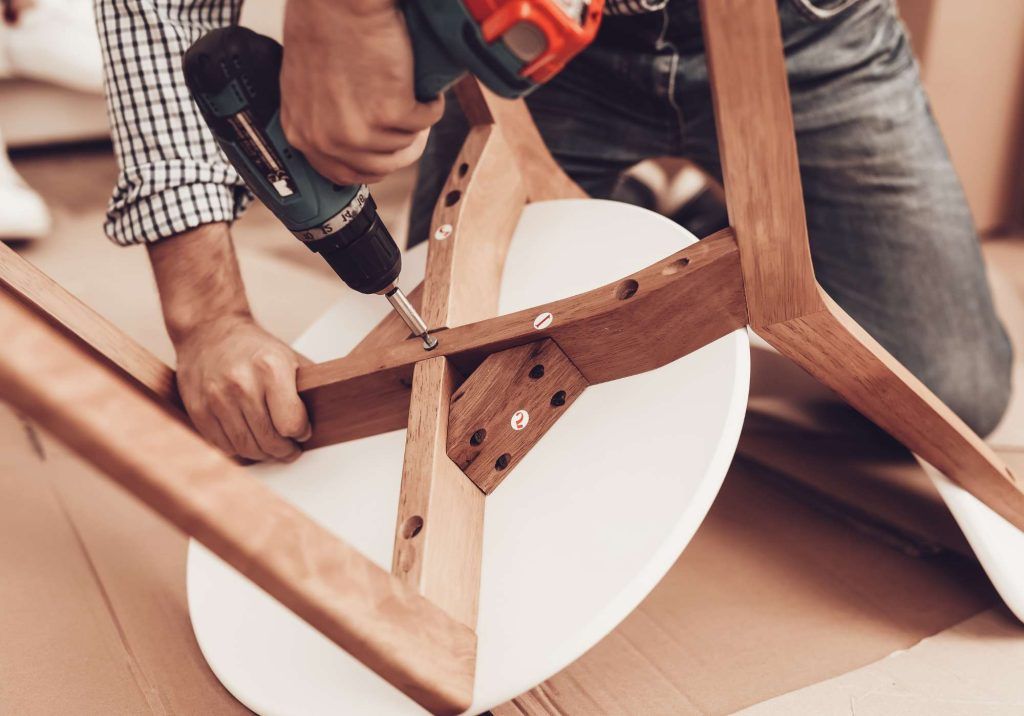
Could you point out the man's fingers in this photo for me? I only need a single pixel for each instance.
(420, 117)
(236, 428)
(346, 165)
(382, 163)
(287, 412)
(209, 427)
(337, 171)
(257, 417)
(242, 439)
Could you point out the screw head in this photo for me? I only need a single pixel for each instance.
(543, 320)
(502, 462)
(558, 399)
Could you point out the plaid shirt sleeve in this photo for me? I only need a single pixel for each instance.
(172, 175)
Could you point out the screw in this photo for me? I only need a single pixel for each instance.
(478, 437)
(537, 371)
(502, 462)
(558, 399)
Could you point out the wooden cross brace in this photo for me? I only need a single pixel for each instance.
(115, 404)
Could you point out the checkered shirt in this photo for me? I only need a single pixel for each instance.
(172, 175)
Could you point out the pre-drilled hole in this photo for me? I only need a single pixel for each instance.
(537, 371)
(463, 168)
(502, 462)
(452, 197)
(558, 399)
(412, 527)
(626, 289)
(675, 267)
(478, 437)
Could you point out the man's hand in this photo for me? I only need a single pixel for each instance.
(236, 380)
(238, 384)
(347, 89)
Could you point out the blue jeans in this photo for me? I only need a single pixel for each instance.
(891, 235)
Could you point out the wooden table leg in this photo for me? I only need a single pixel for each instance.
(438, 540)
(833, 348)
(113, 424)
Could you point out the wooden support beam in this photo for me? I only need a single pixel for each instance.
(506, 406)
(108, 342)
(543, 177)
(472, 226)
(636, 324)
(833, 348)
(757, 145)
(761, 172)
(114, 425)
(439, 535)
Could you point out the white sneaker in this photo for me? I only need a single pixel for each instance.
(55, 41)
(23, 213)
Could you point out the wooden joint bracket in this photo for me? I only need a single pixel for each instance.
(506, 406)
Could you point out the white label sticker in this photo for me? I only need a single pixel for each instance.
(443, 232)
(543, 321)
(520, 419)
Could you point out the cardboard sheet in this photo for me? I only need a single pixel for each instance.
(972, 669)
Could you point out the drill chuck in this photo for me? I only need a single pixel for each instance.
(357, 245)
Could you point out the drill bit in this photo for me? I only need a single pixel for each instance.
(412, 319)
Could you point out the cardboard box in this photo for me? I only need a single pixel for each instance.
(972, 62)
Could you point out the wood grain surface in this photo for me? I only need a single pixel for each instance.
(476, 214)
(112, 424)
(51, 301)
(543, 177)
(637, 324)
(757, 146)
(439, 535)
(506, 406)
(833, 348)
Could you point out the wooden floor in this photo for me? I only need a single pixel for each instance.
(792, 579)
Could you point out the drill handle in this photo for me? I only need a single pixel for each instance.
(434, 69)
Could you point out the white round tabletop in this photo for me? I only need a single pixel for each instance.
(574, 539)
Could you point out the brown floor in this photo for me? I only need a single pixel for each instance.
(789, 580)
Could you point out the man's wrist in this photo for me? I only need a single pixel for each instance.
(199, 281)
(356, 8)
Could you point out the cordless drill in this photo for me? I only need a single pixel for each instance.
(233, 75)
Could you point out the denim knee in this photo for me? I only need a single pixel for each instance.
(977, 388)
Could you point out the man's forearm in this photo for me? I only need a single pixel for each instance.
(198, 278)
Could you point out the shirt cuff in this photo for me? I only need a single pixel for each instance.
(142, 211)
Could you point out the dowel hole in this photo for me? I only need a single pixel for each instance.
(558, 399)
(478, 437)
(626, 289)
(463, 168)
(412, 527)
(537, 371)
(502, 462)
(675, 267)
(452, 197)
